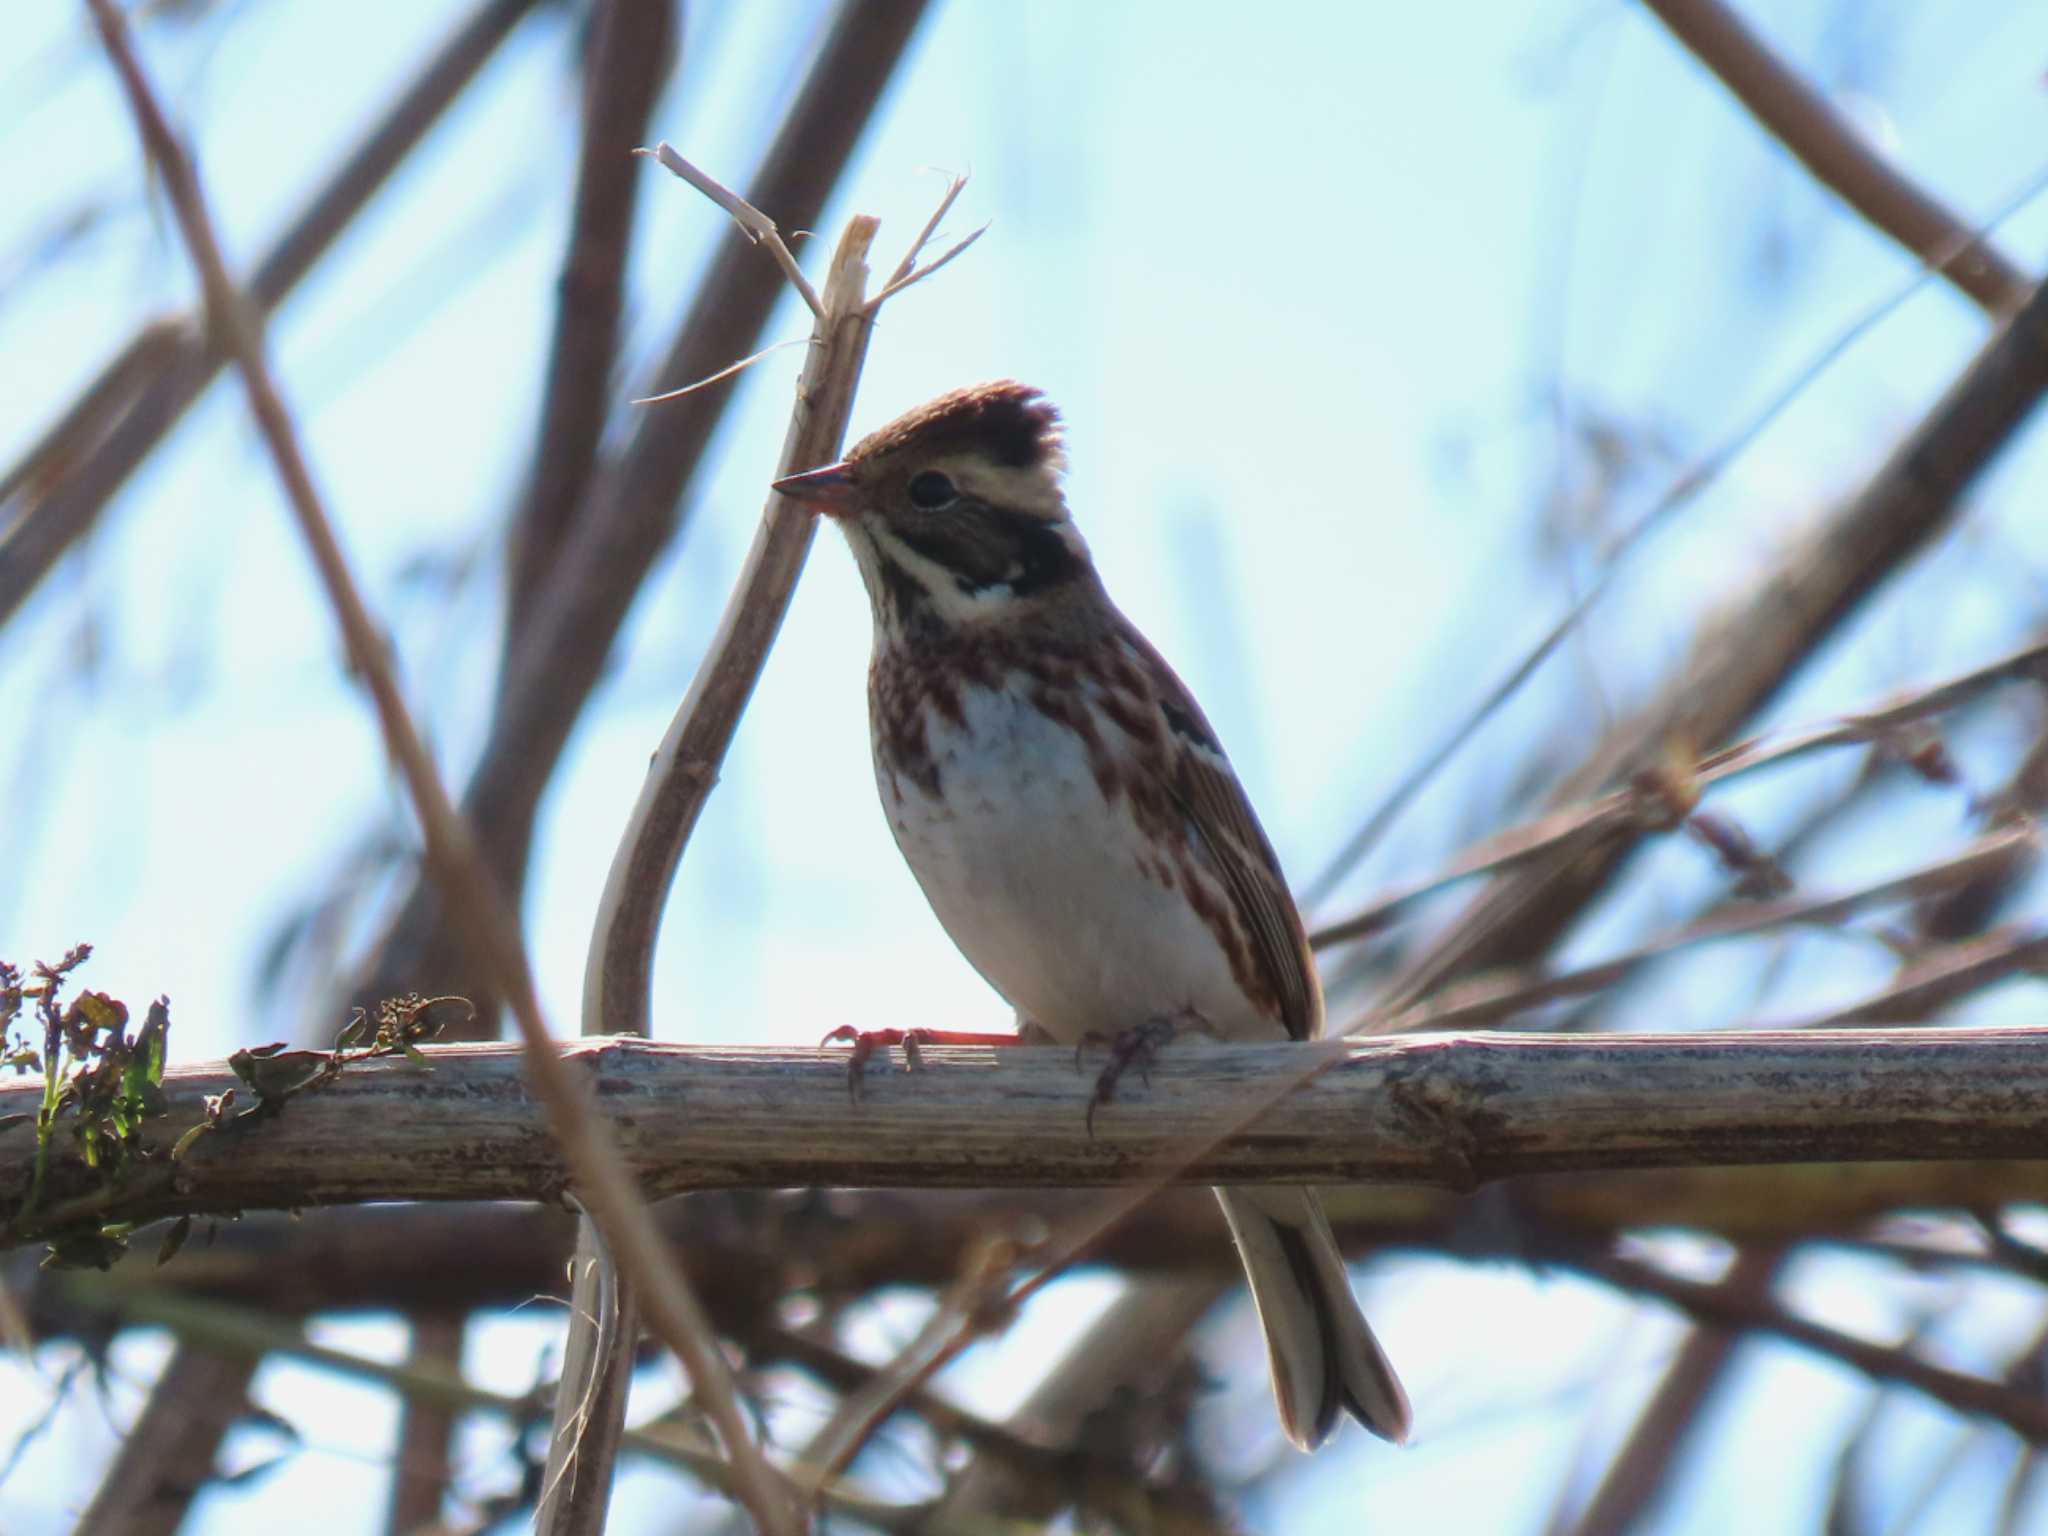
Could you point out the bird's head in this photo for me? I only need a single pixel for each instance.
(955, 511)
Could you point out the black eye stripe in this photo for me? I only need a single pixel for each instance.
(985, 548)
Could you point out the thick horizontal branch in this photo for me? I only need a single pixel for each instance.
(1451, 1111)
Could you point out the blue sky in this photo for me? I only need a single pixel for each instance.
(1306, 281)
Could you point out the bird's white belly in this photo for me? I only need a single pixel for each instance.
(1049, 888)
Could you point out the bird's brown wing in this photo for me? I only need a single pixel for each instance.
(1202, 782)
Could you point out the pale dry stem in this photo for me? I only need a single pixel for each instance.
(753, 223)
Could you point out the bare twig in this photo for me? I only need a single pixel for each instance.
(727, 372)
(743, 1249)
(167, 1457)
(1140, 1328)
(2024, 1413)
(1687, 484)
(1941, 978)
(629, 57)
(425, 1462)
(755, 224)
(1558, 832)
(1827, 143)
(617, 978)
(1640, 1468)
(618, 971)
(486, 918)
(1480, 1005)
(590, 1396)
(248, 1332)
(630, 49)
(70, 437)
(1740, 661)
(918, 275)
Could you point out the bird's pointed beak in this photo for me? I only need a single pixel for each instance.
(829, 490)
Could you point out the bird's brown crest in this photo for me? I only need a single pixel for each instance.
(1010, 423)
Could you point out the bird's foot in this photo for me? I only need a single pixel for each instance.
(1132, 1049)
(868, 1041)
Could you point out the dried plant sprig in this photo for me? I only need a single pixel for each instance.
(755, 224)
(728, 371)
(954, 186)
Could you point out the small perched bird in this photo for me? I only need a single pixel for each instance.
(1073, 820)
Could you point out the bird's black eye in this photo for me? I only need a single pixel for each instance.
(930, 491)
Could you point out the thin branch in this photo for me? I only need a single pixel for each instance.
(1482, 1004)
(755, 224)
(1829, 146)
(617, 994)
(70, 437)
(955, 185)
(925, 271)
(629, 56)
(2024, 1413)
(618, 972)
(167, 1457)
(590, 1396)
(845, 1374)
(744, 1249)
(1126, 1345)
(246, 1332)
(1649, 807)
(1641, 1468)
(489, 926)
(1943, 977)
(1739, 662)
(629, 53)
(1683, 487)
(728, 371)
(425, 1439)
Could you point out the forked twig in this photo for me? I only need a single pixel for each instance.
(954, 184)
(753, 223)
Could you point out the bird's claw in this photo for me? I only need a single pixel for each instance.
(868, 1041)
(1135, 1047)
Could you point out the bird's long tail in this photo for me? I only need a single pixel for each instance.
(1324, 1356)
